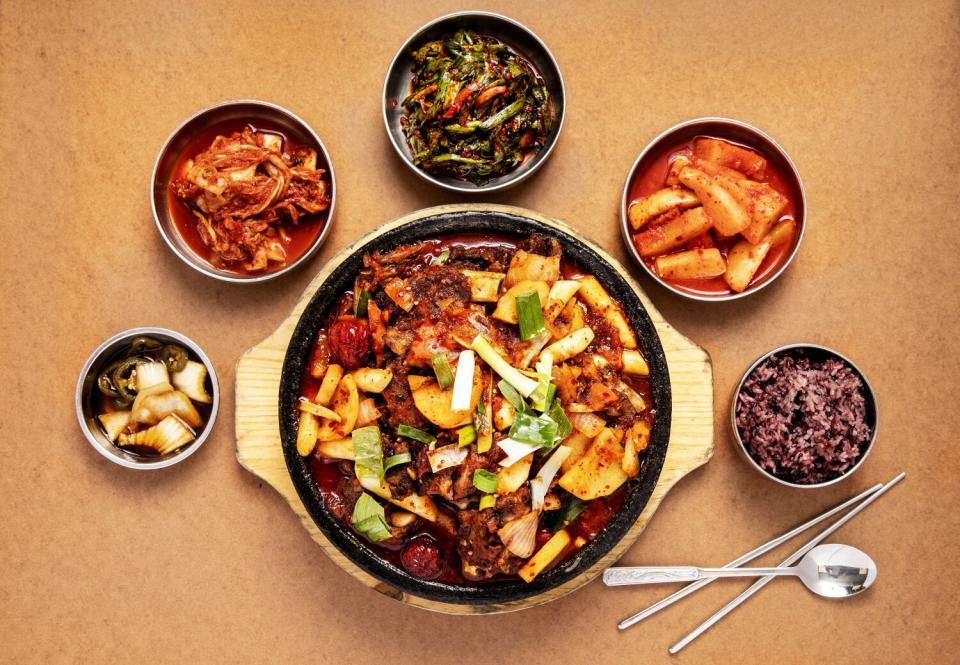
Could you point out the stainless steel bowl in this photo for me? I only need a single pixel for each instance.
(816, 352)
(396, 86)
(738, 132)
(86, 393)
(250, 110)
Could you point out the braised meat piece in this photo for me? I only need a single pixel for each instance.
(487, 258)
(399, 400)
(439, 287)
(439, 484)
(402, 261)
(341, 501)
(541, 245)
(452, 330)
(507, 508)
(463, 485)
(398, 340)
(606, 340)
(400, 483)
(520, 354)
(482, 553)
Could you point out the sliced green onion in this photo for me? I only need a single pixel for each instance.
(523, 384)
(537, 431)
(543, 395)
(370, 519)
(485, 481)
(415, 434)
(559, 416)
(367, 453)
(483, 427)
(450, 157)
(440, 260)
(463, 384)
(512, 396)
(530, 315)
(545, 365)
(557, 519)
(468, 128)
(548, 400)
(503, 114)
(481, 419)
(360, 306)
(466, 435)
(396, 460)
(441, 367)
(488, 501)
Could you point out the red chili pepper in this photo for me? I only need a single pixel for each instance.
(459, 100)
(489, 94)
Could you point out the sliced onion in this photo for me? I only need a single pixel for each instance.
(520, 535)
(463, 383)
(515, 450)
(541, 484)
(368, 412)
(446, 457)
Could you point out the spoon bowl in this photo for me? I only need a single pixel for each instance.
(836, 571)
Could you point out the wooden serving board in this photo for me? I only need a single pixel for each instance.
(258, 429)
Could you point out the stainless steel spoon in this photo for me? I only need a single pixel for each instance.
(833, 571)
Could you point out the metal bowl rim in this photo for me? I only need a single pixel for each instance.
(451, 184)
(871, 396)
(625, 223)
(208, 270)
(96, 356)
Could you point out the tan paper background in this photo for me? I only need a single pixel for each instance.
(202, 563)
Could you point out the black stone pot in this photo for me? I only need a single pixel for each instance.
(341, 279)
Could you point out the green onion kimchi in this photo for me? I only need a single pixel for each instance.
(477, 108)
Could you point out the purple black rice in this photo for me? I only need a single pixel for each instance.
(804, 421)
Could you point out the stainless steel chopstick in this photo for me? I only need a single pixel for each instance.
(789, 561)
(746, 558)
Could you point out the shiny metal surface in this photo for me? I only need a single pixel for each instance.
(396, 86)
(833, 571)
(87, 384)
(734, 130)
(746, 558)
(251, 110)
(717, 616)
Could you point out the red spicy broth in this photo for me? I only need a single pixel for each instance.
(651, 176)
(591, 522)
(296, 238)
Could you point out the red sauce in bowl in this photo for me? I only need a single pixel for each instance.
(651, 174)
(296, 238)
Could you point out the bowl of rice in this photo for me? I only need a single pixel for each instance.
(804, 416)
